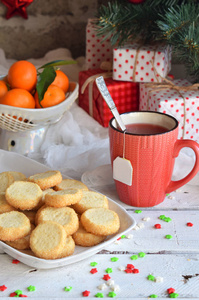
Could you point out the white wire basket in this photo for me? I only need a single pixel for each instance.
(18, 119)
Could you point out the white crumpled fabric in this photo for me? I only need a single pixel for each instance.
(77, 143)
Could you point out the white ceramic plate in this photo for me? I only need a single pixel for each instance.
(10, 161)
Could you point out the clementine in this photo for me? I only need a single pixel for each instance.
(53, 96)
(61, 80)
(18, 98)
(3, 88)
(23, 75)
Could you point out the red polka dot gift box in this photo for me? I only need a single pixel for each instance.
(141, 63)
(125, 95)
(181, 103)
(97, 50)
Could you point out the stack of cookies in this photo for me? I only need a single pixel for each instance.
(50, 215)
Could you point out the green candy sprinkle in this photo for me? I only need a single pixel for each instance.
(31, 288)
(68, 288)
(111, 294)
(99, 295)
(153, 296)
(151, 277)
(168, 236)
(18, 292)
(162, 217)
(141, 254)
(123, 236)
(93, 264)
(109, 270)
(138, 211)
(167, 219)
(173, 295)
(114, 258)
(134, 257)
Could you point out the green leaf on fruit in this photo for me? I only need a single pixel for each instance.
(56, 63)
(44, 80)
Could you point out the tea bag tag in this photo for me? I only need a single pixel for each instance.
(122, 168)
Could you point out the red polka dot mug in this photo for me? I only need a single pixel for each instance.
(146, 155)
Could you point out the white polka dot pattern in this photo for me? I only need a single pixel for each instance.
(133, 63)
(97, 50)
(185, 109)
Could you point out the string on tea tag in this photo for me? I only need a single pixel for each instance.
(122, 167)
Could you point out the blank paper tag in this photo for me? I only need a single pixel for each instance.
(122, 170)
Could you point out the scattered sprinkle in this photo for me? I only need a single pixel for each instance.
(146, 219)
(93, 271)
(111, 282)
(111, 294)
(3, 288)
(189, 224)
(167, 219)
(168, 236)
(138, 211)
(128, 271)
(109, 270)
(86, 293)
(13, 295)
(106, 277)
(68, 288)
(171, 197)
(162, 217)
(141, 254)
(130, 266)
(121, 268)
(102, 286)
(129, 236)
(134, 257)
(117, 242)
(31, 288)
(93, 264)
(135, 271)
(136, 227)
(159, 279)
(15, 261)
(171, 290)
(123, 236)
(153, 296)
(114, 258)
(173, 295)
(18, 292)
(151, 277)
(115, 288)
(99, 295)
(157, 226)
(23, 295)
(140, 225)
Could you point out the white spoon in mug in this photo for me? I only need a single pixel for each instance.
(108, 99)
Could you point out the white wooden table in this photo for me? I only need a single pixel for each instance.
(174, 262)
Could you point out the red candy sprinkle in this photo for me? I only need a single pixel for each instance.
(15, 261)
(157, 226)
(13, 294)
(171, 290)
(129, 270)
(86, 293)
(106, 277)
(21, 295)
(3, 288)
(93, 271)
(130, 266)
(189, 224)
(135, 271)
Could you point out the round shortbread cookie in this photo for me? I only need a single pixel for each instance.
(48, 239)
(18, 176)
(63, 198)
(70, 183)
(65, 216)
(13, 225)
(69, 248)
(100, 221)
(47, 179)
(86, 239)
(6, 180)
(23, 195)
(4, 205)
(90, 199)
(22, 243)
